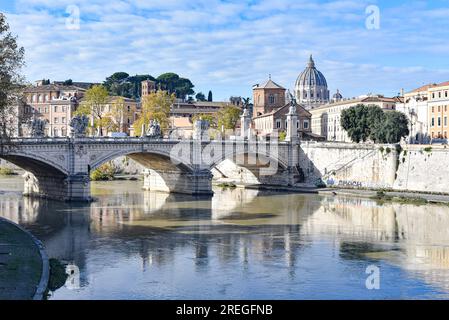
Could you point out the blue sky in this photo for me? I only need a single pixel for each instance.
(227, 46)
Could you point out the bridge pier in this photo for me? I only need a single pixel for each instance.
(72, 188)
(194, 183)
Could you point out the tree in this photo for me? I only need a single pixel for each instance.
(122, 84)
(155, 106)
(392, 129)
(209, 96)
(117, 114)
(371, 122)
(68, 82)
(11, 62)
(211, 118)
(172, 83)
(200, 97)
(228, 117)
(95, 101)
(356, 122)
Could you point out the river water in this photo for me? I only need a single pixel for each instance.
(239, 244)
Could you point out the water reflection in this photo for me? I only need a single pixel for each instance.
(238, 244)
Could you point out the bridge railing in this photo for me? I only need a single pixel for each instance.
(28, 140)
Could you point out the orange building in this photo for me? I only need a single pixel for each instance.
(267, 97)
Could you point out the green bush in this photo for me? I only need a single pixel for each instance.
(104, 172)
(6, 172)
(428, 149)
(282, 136)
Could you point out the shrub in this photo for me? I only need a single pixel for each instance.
(428, 149)
(282, 136)
(104, 172)
(6, 172)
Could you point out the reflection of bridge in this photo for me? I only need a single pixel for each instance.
(60, 168)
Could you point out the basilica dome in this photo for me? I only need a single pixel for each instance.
(311, 76)
(311, 87)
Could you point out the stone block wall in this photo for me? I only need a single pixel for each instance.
(421, 168)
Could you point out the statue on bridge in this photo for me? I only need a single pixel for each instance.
(37, 127)
(154, 130)
(79, 125)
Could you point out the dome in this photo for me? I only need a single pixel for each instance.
(311, 76)
(337, 96)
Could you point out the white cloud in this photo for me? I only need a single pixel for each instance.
(228, 46)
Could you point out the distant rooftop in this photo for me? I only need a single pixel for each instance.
(270, 84)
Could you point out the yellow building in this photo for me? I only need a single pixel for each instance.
(438, 102)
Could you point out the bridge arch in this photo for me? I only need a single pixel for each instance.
(144, 158)
(163, 171)
(250, 167)
(44, 177)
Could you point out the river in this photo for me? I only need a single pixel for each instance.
(239, 244)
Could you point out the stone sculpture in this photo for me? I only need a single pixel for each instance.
(79, 125)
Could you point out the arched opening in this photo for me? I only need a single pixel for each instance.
(250, 169)
(42, 179)
(165, 173)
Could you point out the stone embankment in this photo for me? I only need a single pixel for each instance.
(24, 267)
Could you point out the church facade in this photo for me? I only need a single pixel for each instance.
(271, 106)
(272, 101)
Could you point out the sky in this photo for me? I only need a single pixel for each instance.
(228, 46)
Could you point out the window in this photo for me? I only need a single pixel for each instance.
(306, 124)
(46, 109)
(55, 132)
(63, 120)
(39, 98)
(438, 108)
(439, 121)
(297, 124)
(445, 94)
(278, 124)
(439, 94)
(433, 95)
(445, 121)
(433, 122)
(271, 99)
(433, 109)
(55, 108)
(55, 120)
(63, 108)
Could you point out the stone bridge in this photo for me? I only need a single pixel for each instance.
(59, 168)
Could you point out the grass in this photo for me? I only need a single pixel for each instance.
(383, 197)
